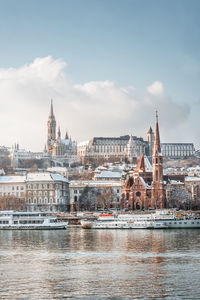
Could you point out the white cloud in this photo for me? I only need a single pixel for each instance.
(96, 108)
(156, 88)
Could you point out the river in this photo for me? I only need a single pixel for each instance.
(100, 264)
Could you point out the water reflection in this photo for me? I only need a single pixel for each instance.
(77, 263)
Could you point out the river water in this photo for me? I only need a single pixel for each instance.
(100, 264)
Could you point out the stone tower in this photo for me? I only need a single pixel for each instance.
(157, 195)
(51, 129)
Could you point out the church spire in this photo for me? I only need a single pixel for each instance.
(158, 193)
(140, 165)
(59, 132)
(51, 137)
(157, 147)
(51, 113)
(66, 135)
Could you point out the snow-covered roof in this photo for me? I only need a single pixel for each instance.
(192, 178)
(144, 183)
(176, 182)
(57, 169)
(93, 183)
(58, 177)
(81, 144)
(148, 166)
(12, 179)
(65, 142)
(108, 174)
(45, 176)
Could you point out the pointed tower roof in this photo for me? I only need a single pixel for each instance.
(156, 146)
(66, 135)
(141, 165)
(59, 132)
(51, 112)
(150, 130)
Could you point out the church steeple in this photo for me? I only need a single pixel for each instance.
(157, 183)
(51, 129)
(156, 146)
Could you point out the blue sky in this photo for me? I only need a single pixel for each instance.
(131, 43)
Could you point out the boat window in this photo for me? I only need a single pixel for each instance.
(180, 222)
(192, 222)
(174, 222)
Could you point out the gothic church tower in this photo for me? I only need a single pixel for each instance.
(157, 195)
(51, 130)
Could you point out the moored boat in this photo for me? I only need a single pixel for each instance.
(11, 220)
(161, 219)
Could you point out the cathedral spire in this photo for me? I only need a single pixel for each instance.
(51, 137)
(51, 113)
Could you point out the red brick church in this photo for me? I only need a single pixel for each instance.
(145, 188)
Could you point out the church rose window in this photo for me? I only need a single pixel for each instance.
(138, 194)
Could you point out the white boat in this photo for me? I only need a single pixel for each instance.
(161, 219)
(111, 221)
(11, 220)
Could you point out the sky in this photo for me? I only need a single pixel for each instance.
(108, 65)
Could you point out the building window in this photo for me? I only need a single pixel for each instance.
(156, 175)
